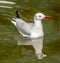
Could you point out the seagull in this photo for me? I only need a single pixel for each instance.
(31, 30)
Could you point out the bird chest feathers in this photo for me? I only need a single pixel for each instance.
(37, 31)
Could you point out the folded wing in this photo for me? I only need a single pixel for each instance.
(23, 27)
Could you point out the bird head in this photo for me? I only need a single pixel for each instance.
(40, 16)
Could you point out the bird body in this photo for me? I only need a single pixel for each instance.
(31, 30)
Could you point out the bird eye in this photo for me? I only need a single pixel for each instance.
(39, 16)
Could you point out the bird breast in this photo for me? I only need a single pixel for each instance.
(37, 32)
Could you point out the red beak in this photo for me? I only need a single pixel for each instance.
(47, 16)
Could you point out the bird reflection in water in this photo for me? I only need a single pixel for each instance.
(37, 44)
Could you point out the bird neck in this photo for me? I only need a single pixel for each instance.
(37, 22)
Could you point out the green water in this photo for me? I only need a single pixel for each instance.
(10, 52)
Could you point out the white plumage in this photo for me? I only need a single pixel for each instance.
(31, 30)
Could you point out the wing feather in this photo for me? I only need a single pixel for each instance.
(24, 27)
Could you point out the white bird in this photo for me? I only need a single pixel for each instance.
(31, 30)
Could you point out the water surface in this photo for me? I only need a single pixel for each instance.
(9, 50)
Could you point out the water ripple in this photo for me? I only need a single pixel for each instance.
(7, 2)
(5, 7)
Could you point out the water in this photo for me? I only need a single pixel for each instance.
(9, 50)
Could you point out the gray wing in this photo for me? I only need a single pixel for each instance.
(24, 27)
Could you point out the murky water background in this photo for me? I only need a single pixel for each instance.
(9, 50)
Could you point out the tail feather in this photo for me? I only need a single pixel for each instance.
(14, 19)
(17, 14)
(13, 22)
